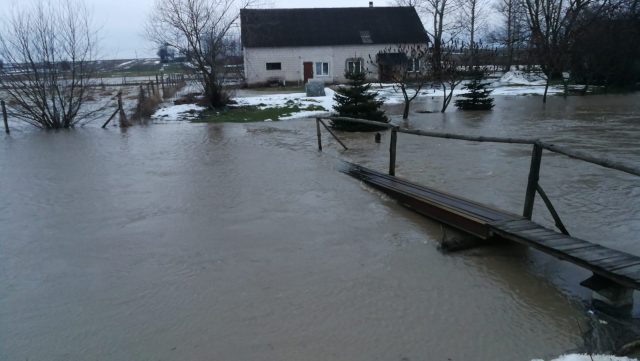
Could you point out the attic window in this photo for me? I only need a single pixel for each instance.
(366, 37)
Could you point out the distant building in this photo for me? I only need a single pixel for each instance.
(295, 45)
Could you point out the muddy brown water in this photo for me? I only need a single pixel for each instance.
(180, 241)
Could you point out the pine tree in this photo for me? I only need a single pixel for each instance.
(355, 101)
(476, 98)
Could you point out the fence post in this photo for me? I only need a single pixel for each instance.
(532, 183)
(123, 117)
(319, 135)
(392, 151)
(5, 117)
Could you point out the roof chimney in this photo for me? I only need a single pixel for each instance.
(370, 4)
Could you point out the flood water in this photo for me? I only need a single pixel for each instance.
(180, 241)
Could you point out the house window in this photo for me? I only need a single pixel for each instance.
(414, 65)
(274, 66)
(354, 66)
(322, 68)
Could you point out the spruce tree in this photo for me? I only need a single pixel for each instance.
(355, 101)
(476, 98)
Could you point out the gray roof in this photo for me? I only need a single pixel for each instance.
(330, 26)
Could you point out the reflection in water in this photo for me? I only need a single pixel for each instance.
(230, 241)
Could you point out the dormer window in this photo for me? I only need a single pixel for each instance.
(366, 37)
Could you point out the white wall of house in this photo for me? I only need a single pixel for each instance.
(291, 61)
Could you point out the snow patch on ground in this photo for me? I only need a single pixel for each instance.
(584, 357)
(283, 100)
(393, 95)
(126, 63)
(525, 90)
(519, 77)
(515, 83)
(518, 82)
(512, 83)
(190, 88)
(178, 112)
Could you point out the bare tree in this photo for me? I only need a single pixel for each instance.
(50, 46)
(554, 24)
(451, 74)
(605, 52)
(438, 12)
(407, 67)
(513, 32)
(198, 29)
(472, 20)
(166, 53)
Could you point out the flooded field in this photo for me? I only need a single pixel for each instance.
(181, 241)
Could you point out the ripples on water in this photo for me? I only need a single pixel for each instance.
(194, 241)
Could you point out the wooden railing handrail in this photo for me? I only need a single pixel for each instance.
(363, 121)
(426, 133)
(603, 162)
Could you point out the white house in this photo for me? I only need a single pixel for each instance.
(295, 45)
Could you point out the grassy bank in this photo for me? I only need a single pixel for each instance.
(248, 114)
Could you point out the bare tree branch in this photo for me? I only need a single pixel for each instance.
(199, 29)
(50, 46)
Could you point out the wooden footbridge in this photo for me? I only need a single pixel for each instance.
(615, 273)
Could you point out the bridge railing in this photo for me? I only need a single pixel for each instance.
(533, 185)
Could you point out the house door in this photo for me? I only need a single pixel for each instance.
(385, 73)
(308, 71)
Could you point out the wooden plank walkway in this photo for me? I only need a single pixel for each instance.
(486, 222)
(460, 213)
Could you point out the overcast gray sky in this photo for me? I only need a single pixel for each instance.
(122, 22)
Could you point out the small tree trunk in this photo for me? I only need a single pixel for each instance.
(4, 117)
(405, 113)
(546, 88)
(447, 97)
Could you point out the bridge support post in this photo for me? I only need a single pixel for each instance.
(610, 296)
(616, 301)
(532, 183)
(453, 240)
